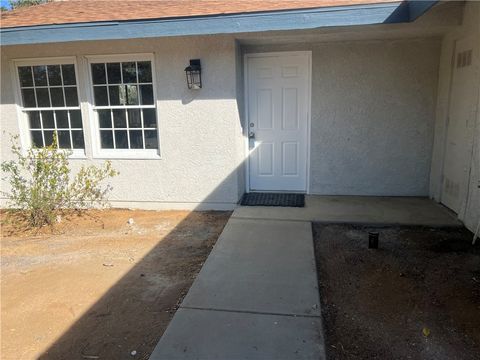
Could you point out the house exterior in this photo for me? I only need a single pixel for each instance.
(356, 97)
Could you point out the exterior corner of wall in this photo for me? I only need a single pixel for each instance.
(240, 128)
(441, 116)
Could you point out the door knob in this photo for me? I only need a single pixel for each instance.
(251, 135)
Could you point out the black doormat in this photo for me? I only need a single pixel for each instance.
(273, 199)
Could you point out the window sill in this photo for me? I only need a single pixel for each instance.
(128, 155)
(76, 153)
(78, 156)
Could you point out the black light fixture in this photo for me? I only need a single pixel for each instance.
(194, 74)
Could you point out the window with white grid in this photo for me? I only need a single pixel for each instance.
(124, 103)
(49, 97)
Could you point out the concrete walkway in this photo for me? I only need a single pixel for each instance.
(380, 210)
(256, 297)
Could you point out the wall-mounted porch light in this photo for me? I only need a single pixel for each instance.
(194, 74)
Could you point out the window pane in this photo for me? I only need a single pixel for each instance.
(136, 140)
(76, 119)
(144, 71)
(37, 140)
(71, 96)
(28, 97)
(98, 74)
(68, 72)
(64, 139)
(100, 95)
(149, 118)
(121, 141)
(123, 95)
(151, 139)
(106, 139)
(104, 118)
(77, 138)
(146, 92)
(62, 119)
(114, 74)
(54, 76)
(34, 118)
(47, 120)
(56, 95)
(119, 118)
(132, 95)
(134, 120)
(40, 75)
(42, 97)
(123, 128)
(25, 75)
(48, 137)
(115, 98)
(129, 72)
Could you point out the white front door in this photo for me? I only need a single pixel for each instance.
(278, 94)
(461, 126)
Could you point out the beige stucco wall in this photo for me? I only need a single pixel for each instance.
(200, 131)
(470, 213)
(373, 106)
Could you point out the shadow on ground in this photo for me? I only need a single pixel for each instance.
(133, 314)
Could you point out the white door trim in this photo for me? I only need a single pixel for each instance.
(308, 54)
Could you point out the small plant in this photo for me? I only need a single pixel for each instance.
(42, 186)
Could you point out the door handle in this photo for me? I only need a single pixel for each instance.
(251, 135)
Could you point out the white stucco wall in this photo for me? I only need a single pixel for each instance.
(373, 106)
(371, 132)
(470, 26)
(372, 119)
(198, 166)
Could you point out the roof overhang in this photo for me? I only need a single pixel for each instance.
(366, 14)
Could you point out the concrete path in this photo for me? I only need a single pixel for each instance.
(256, 297)
(358, 209)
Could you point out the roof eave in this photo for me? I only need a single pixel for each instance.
(383, 13)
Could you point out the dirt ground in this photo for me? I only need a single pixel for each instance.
(416, 297)
(99, 287)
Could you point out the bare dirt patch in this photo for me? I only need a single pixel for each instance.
(98, 287)
(416, 297)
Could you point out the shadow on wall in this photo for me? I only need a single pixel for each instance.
(142, 293)
(187, 98)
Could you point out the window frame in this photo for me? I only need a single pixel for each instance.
(98, 152)
(24, 127)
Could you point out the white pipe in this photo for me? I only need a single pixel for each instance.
(476, 233)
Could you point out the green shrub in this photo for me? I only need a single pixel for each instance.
(42, 186)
